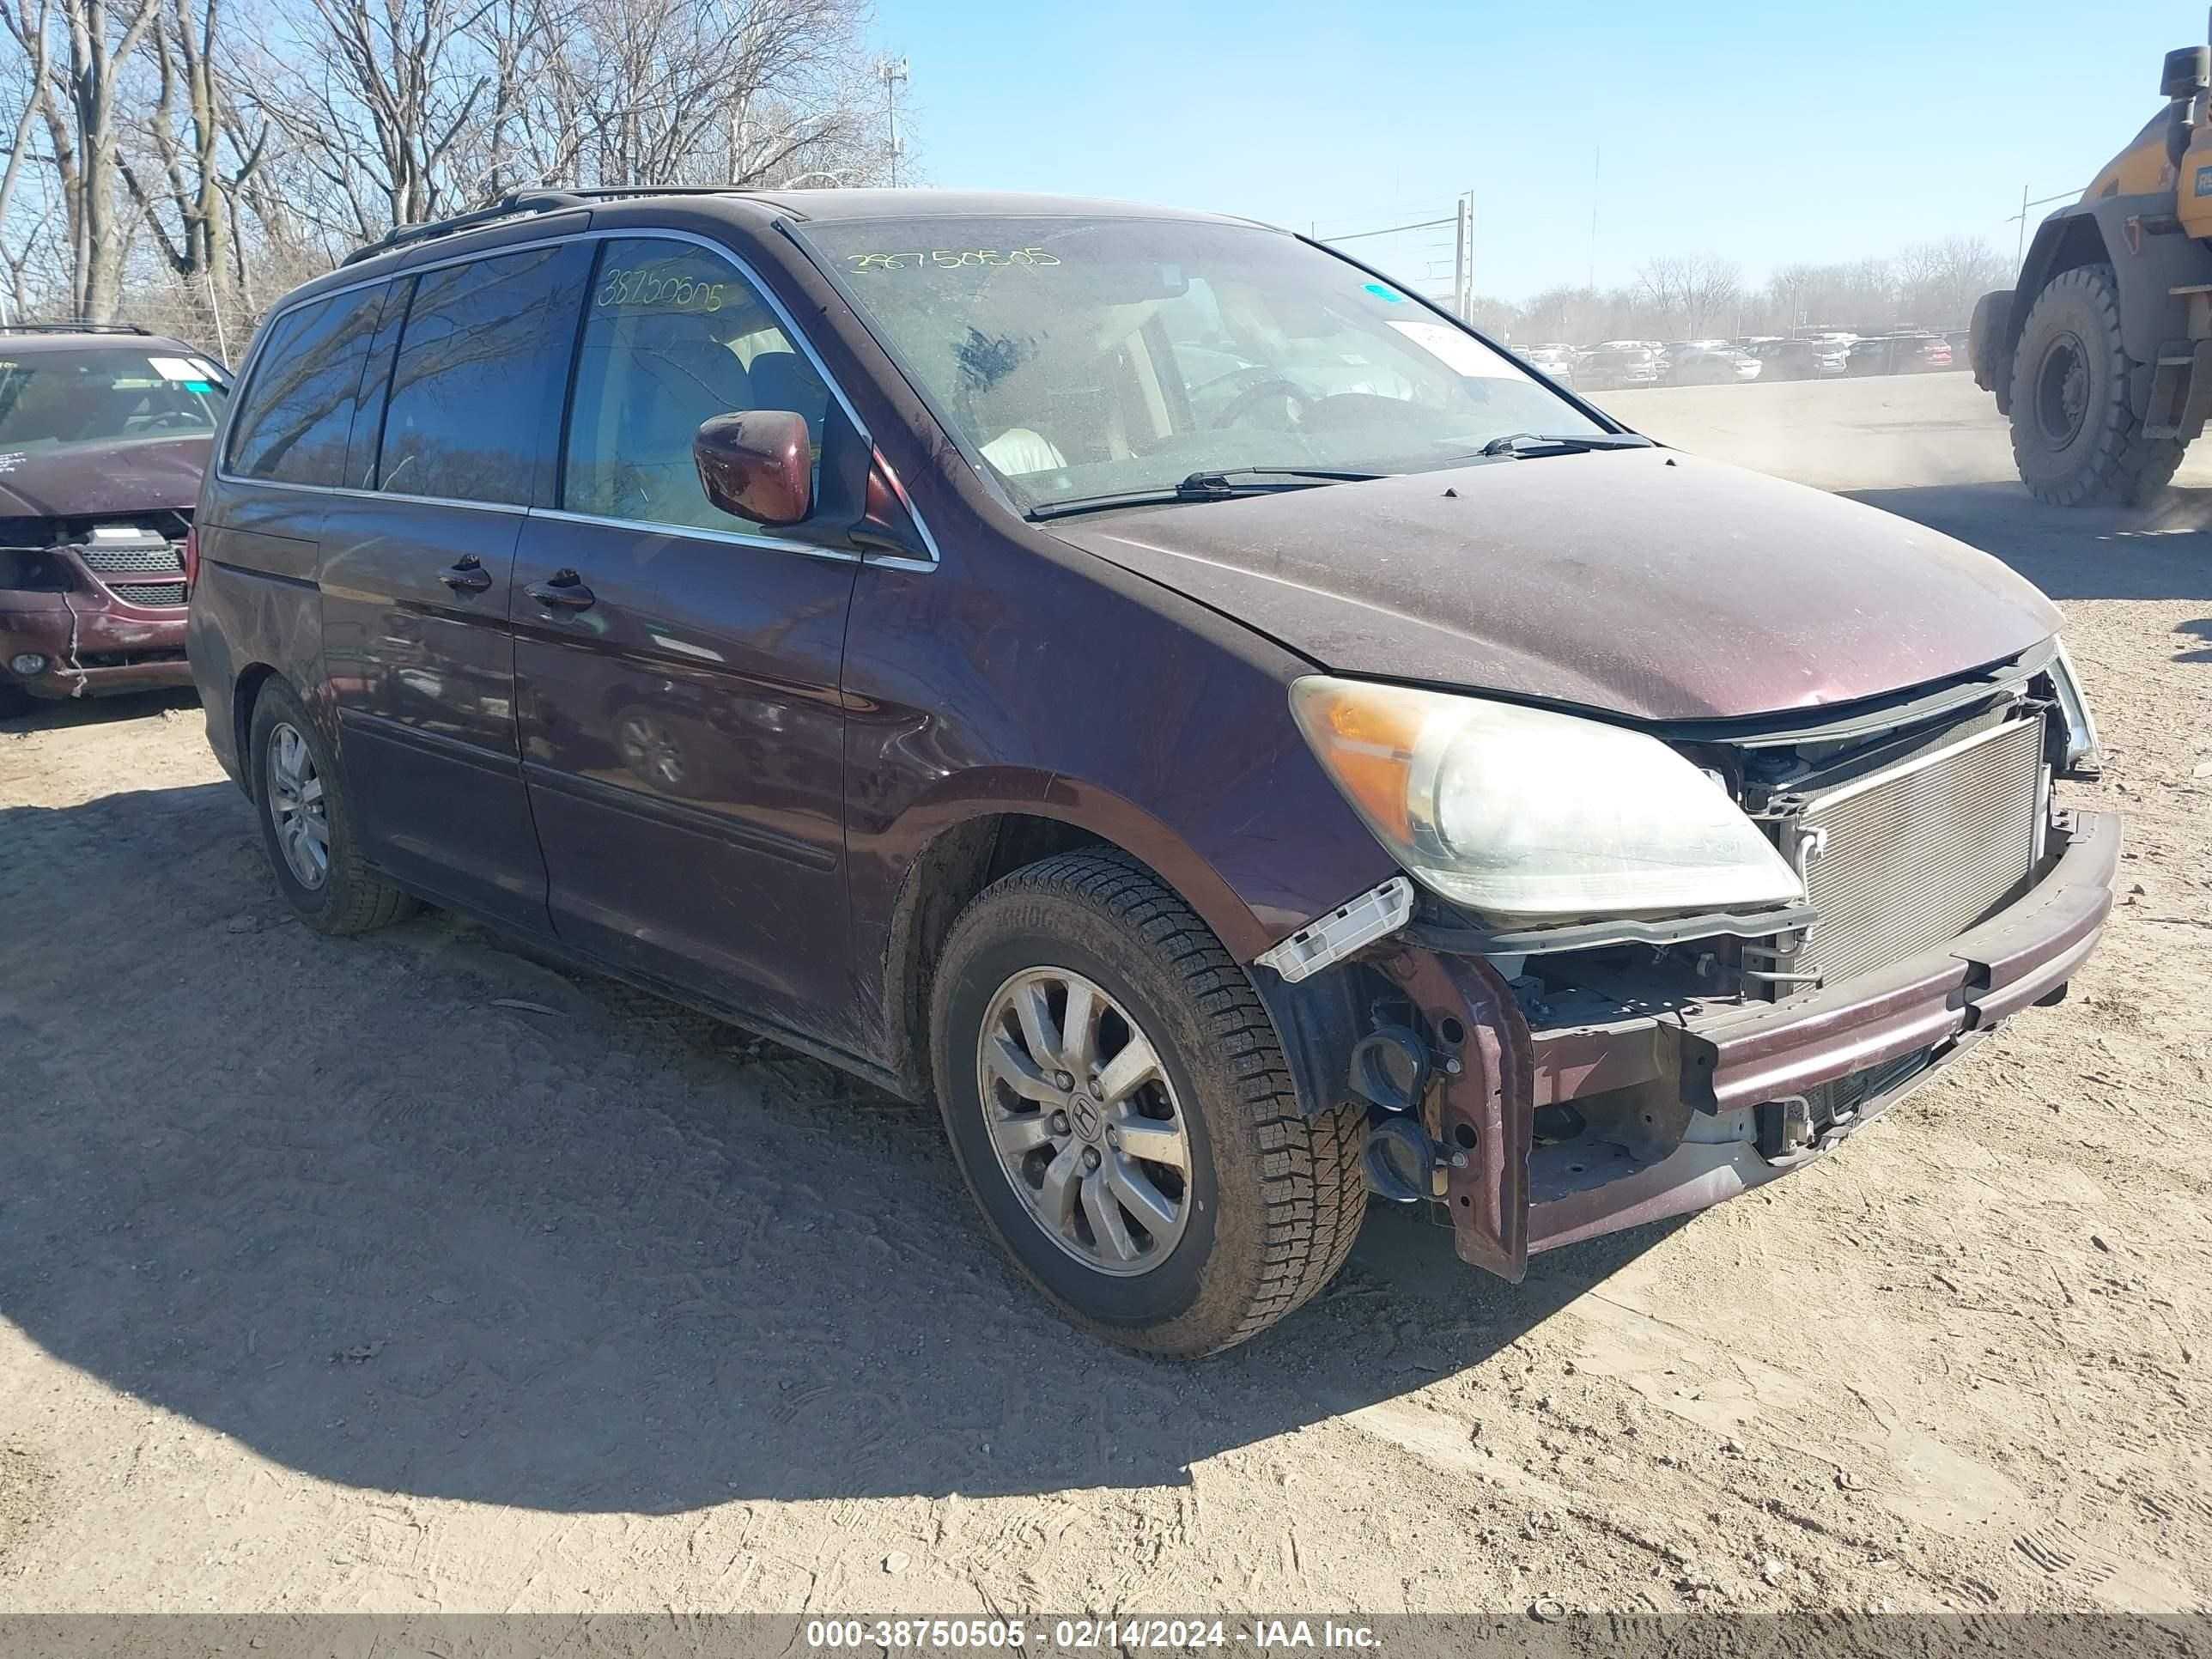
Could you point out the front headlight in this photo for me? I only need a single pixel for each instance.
(2081, 752)
(1521, 812)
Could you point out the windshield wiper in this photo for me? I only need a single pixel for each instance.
(1218, 484)
(1294, 477)
(1534, 443)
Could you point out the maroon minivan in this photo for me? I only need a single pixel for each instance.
(103, 432)
(1235, 737)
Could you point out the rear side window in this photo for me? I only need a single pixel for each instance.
(672, 335)
(297, 412)
(476, 387)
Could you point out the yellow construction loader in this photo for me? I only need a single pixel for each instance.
(2102, 356)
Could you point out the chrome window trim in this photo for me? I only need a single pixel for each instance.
(694, 533)
(783, 316)
(348, 491)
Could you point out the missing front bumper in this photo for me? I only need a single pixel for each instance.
(1561, 1134)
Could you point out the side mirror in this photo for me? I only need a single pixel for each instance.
(756, 465)
(2188, 72)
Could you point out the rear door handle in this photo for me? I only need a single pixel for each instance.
(467, 577)
(563, 591)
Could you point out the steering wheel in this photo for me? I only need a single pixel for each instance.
(163, 420)
(1235, 408)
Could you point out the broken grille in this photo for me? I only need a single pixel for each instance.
(152, 594)
(164, 556)
(1910, 858)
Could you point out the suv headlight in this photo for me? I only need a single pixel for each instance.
(2081, 725)
(1525, 813)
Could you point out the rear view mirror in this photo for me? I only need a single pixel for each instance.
(756, 465)
(2187, 72)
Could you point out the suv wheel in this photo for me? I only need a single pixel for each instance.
(307, 826)
(1119, 1105)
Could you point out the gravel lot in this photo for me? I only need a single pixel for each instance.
(406, 1273)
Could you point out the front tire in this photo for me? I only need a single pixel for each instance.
(1182, 1204)
(307, 826)
(2074, 435)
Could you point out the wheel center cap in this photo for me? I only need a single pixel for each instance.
(1084, 1112)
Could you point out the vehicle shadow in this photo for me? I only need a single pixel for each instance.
(58, 713)
(414, 1212)
(2159, 552)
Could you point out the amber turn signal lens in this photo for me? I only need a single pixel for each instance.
(1366, 735)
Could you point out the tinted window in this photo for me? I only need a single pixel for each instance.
(293, 424)
(375, 387)
(476, 388)
(672, 335)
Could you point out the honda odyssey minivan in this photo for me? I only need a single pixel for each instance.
(104, 434)
(1239, 741)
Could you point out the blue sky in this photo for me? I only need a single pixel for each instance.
(1768, 132)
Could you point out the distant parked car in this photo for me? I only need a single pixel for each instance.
(1802, 360)
(1614, 363)
(1709, 362)
(1957, 339)
(103, 432)
(1908, 351)
(1555, 360)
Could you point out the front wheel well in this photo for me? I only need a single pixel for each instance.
(959, 864)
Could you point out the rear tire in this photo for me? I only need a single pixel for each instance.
(2074, 435)
(322, 875)
(1271, 1201)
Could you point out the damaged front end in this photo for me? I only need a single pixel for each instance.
(93, 606)
(1546, 1083)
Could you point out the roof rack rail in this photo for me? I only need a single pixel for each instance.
(516, 203)
(511, 205)
(74, 328)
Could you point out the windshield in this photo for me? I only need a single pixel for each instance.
(56, 399)
(1084, 357)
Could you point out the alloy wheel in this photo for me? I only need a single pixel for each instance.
(296, 808)
(1085, 1122)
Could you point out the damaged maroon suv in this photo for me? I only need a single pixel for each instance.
(103, 432)
(1235, 740)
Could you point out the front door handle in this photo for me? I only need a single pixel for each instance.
(563, 591)
(466, 576)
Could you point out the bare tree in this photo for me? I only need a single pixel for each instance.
(379, 119)
(1691, 293)
(78, 100)
(1938, 281)
(25, 99)
(188, 196)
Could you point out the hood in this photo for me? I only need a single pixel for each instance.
(98, 479)
(1645, 582)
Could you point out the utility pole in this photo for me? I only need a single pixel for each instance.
(892, 73)
(1463, 258)
(1597, 164)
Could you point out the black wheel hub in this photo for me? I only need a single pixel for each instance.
(2061, 391)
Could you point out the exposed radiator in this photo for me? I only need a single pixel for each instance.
(1914, 856)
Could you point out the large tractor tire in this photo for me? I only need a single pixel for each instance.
(2074, 435)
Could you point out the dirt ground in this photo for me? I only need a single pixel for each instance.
(405, 1273)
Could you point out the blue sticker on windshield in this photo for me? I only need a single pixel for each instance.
(1381, 292)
